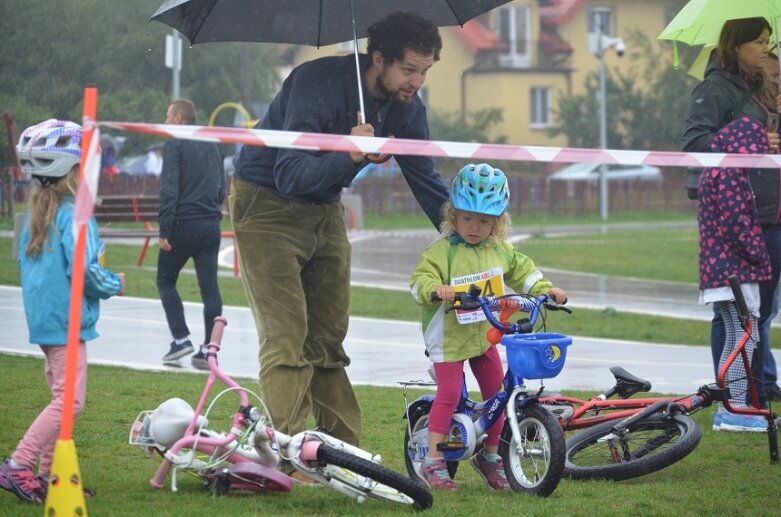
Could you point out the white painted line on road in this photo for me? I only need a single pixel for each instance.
(123, 364)
(394, 344)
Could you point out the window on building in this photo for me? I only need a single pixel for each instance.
(540, 107)
(515, 30)
(600, 18)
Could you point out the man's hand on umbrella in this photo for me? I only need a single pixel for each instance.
(360, 130)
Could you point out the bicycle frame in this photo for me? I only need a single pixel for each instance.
(235, 448)
(617, 409)
(531, 443)
(599, 409)
(247, 456)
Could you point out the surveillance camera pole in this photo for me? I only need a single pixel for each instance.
(603, 185)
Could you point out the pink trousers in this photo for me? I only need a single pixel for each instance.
(489, 373)
(37, 445)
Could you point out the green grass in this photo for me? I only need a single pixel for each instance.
(396, 221)
(728, 474)
(667, 255)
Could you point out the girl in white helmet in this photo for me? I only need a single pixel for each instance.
(472, 249)
(51, 152)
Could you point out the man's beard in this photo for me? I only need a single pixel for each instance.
(389, 94)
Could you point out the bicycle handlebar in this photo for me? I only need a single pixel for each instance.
(471, 300)
(219, 327)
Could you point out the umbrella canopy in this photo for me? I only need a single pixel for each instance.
(304, 22)
(699, 22)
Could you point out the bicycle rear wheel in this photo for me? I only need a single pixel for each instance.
(534, 463)
(649, 445)
(416, 445)
(373, 479)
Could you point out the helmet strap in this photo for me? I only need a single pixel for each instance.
(47, 181)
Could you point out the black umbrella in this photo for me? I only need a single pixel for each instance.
(304, 22)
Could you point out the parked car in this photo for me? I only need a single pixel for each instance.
(590, 172)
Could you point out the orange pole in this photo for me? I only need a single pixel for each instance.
(77, 285)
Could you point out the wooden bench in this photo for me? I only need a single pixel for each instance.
(139, 209)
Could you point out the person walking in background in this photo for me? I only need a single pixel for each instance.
(288, 219)
(192, 190)
(472, 244)
(736, 85)
(731, 243)
(51, 152)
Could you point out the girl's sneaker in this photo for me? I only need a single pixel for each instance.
(491, 470)
(21, 482)
(742, 423)
(717, 420)
(434, 473)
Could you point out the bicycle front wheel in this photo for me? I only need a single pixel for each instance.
(534, 462)
(648, 445)
(372, 479)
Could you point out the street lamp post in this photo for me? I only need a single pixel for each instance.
(173, 60)
(604, 42)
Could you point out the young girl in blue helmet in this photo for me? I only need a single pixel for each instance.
(472, 246)
(51, 152)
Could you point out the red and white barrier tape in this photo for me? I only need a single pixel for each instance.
(443, 149)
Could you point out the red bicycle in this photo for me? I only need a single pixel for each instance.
(623, 438)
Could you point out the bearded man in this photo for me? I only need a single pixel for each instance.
(288, 218)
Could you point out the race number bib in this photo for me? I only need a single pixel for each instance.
(490, 282)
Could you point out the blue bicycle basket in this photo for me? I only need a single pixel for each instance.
(536, 356)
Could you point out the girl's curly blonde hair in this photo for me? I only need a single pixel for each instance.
(498, 233)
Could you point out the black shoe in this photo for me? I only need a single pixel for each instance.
(199, 360)
(178, 351)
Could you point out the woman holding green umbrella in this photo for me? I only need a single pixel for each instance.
(736, 85)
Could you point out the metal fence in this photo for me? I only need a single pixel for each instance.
(390, 194)
(537, 195)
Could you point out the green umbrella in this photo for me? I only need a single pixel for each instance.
(699, 22)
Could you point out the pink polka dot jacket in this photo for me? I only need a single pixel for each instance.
(731, 241)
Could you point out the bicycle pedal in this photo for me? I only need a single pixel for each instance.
(451, 446)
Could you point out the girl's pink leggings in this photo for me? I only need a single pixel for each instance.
(37, 445)
(488, 371)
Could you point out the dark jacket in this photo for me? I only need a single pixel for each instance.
(192, 184)
(321, 96)
(720, 98)
(731, 241)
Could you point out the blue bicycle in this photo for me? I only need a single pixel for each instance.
(532, 442)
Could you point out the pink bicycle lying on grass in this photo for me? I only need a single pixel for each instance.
(246, 457)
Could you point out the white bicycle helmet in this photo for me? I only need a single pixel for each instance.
(50, 149)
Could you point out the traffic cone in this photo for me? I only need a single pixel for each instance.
(65, 496)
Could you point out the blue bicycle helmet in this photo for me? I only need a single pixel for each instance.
(481, 189)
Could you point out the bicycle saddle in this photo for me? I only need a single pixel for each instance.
(627, 384)
(170, 420)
